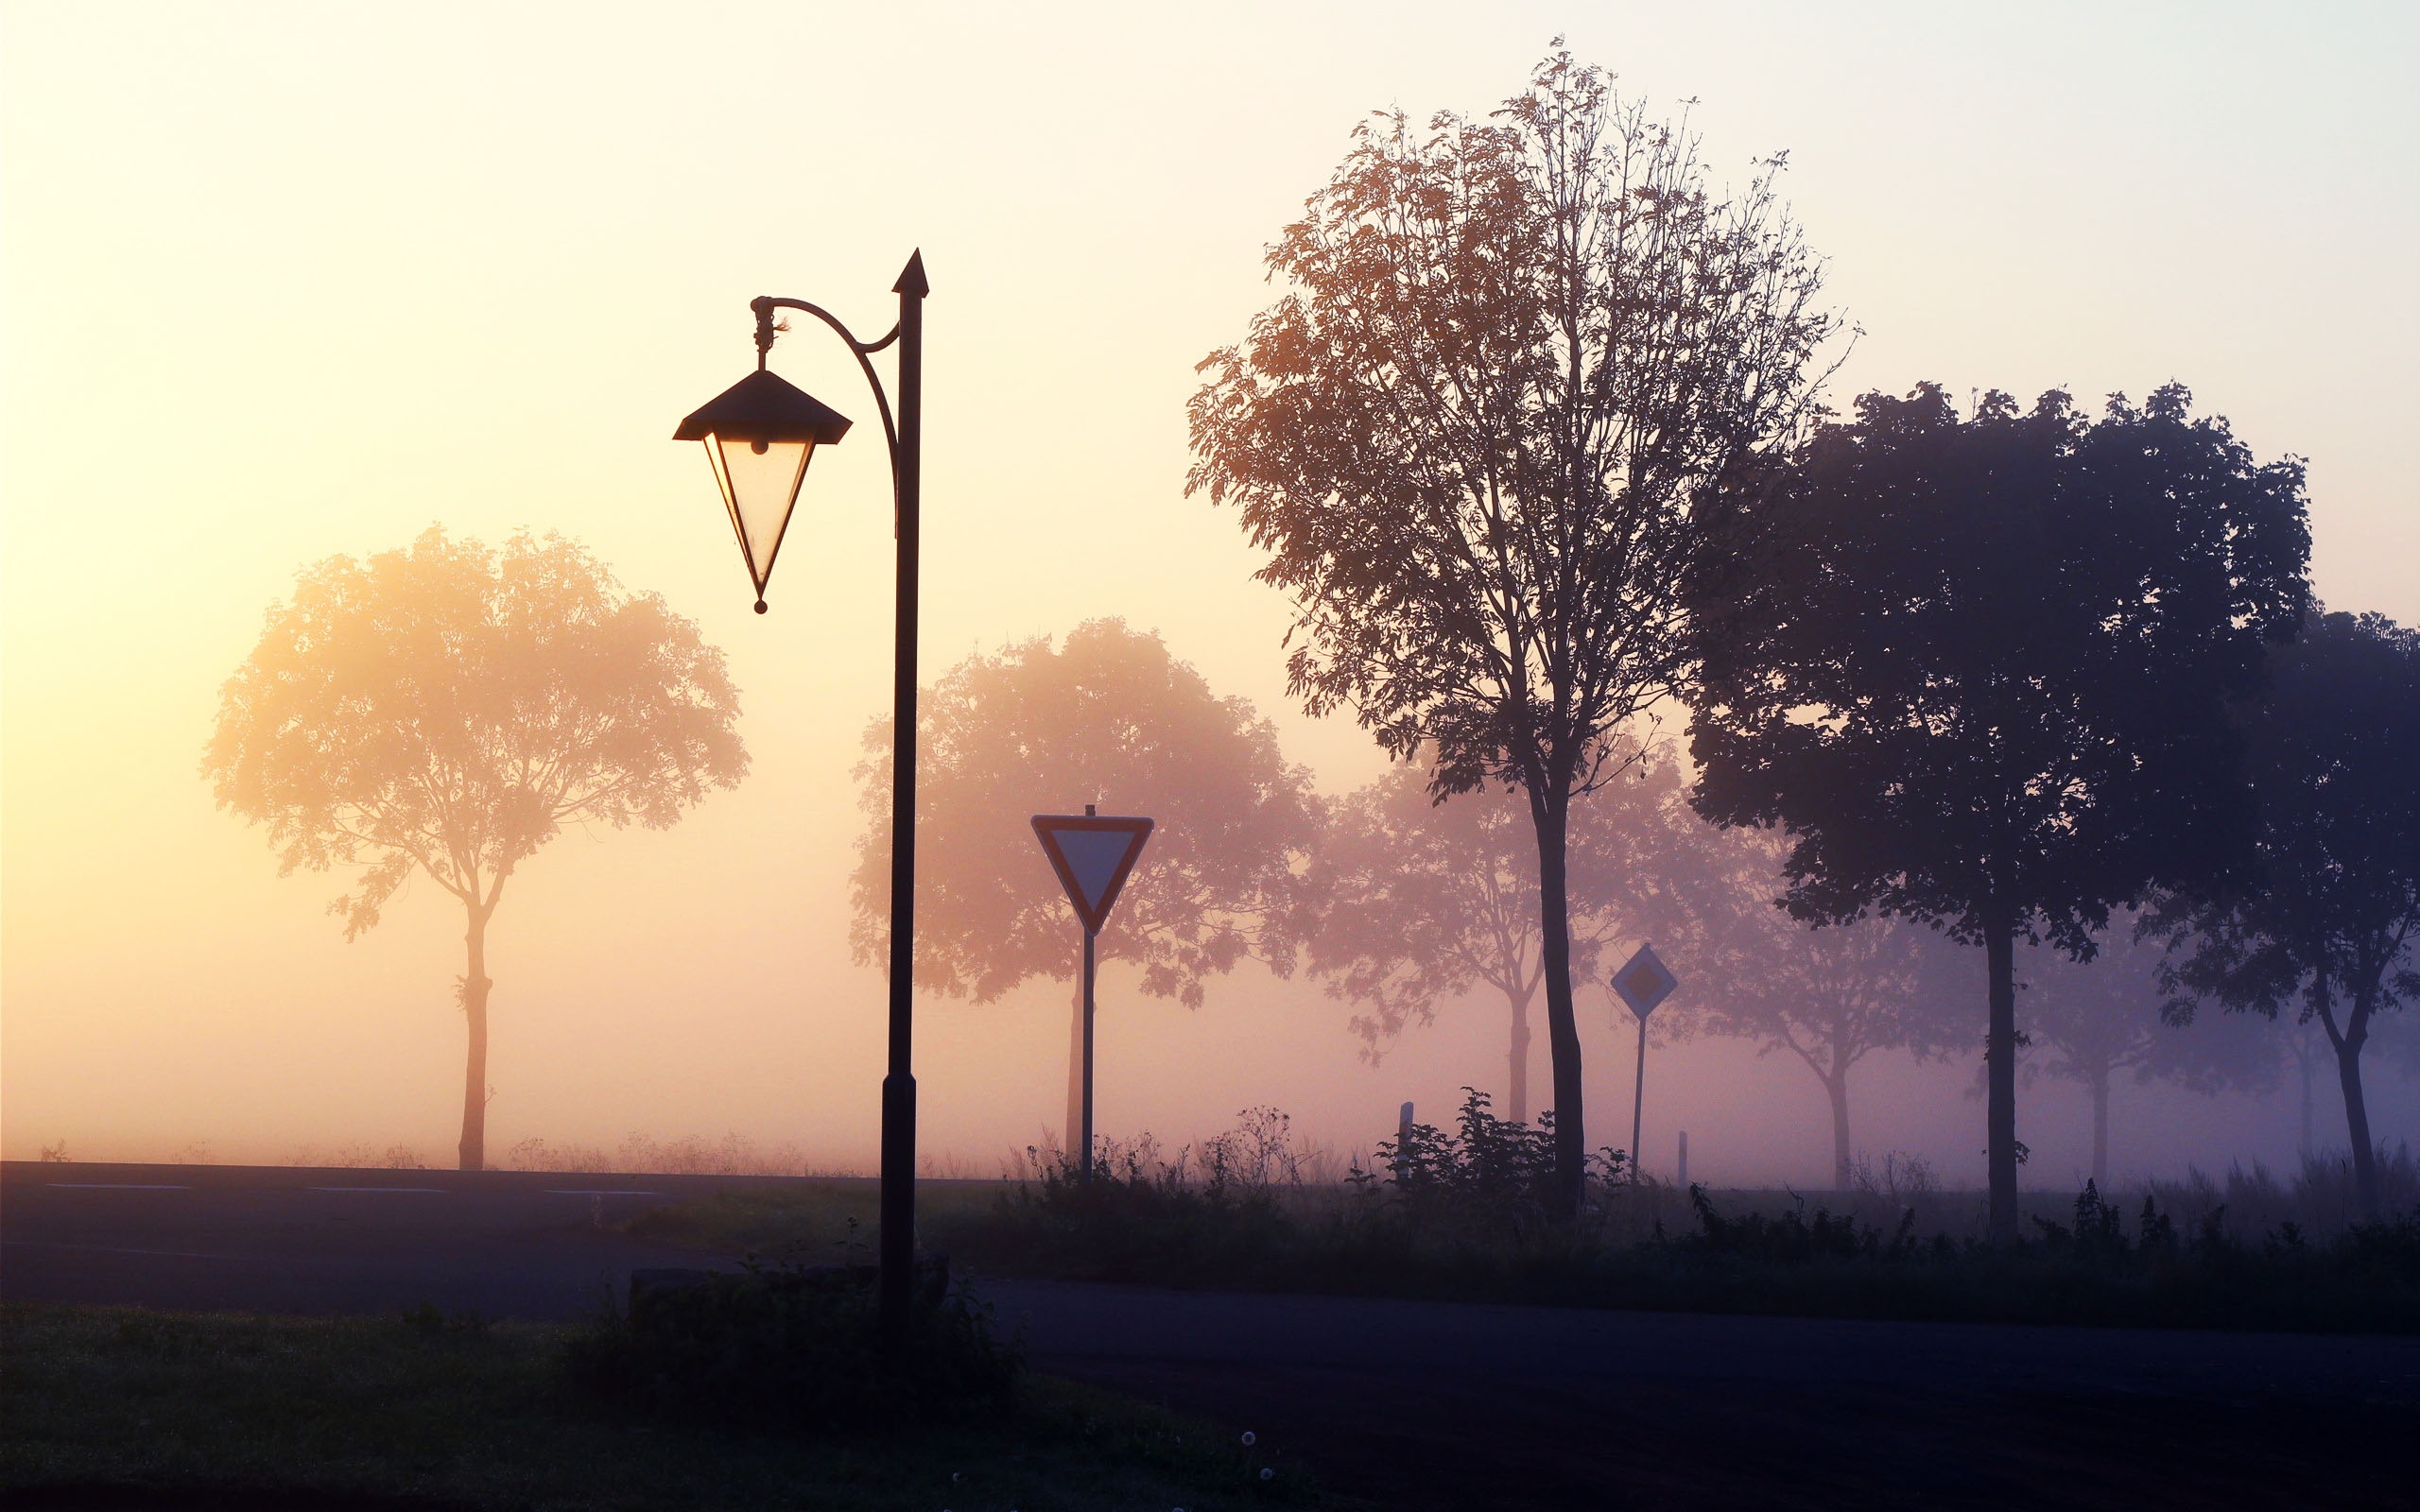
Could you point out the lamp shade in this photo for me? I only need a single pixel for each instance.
(759, 433)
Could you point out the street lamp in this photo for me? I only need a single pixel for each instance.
(759, 433)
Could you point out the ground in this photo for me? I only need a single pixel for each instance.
(1459, 1407)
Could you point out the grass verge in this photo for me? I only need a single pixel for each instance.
(441, 1412)
(2100, 1269)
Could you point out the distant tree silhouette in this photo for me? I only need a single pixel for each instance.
(2093, 1022)
(2307, 1048)
(2396, 1038)
(1418, 900)
(1982, 668)
(1831, 996)
(1108, 716)
(1516, 351)
(2334, 924)
(448, 709)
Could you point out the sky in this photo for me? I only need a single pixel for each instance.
(279, 281)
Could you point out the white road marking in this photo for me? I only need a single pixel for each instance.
(433, 1191)
(600, 1192)
(113, 1186)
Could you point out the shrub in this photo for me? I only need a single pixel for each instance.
(1489, 1178)
(798, 1346)
(1791, 1239)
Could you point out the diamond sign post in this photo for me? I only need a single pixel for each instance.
(1643, 982)
(1093, 853)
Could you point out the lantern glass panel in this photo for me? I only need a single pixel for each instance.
(759, 482)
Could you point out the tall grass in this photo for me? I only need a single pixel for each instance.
(2319, 1198)
(1462, 1213)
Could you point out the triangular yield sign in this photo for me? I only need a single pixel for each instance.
(1093, 854)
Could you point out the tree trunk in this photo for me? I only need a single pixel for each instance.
(2348, 1076)
(2000, 1054)
(475, 1074)
(1551, 811)
(2099, 1085)
(1837, 1085)
(2357, 1123)
(1073, 1137)
(1516, 1101)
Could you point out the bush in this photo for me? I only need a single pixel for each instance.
(1791, 1239)
(1490, 1178)
(794, 1345)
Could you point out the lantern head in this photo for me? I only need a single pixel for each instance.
(759, 433)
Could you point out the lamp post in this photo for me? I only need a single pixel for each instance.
(760, 434)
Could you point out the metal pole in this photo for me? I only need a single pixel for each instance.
(899, 1082)
(1638, 1101)
(1087, 1166)
(1084, 1161)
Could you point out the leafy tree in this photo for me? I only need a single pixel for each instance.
(447, 709)
(2333, 926)
(2092, 1022)
(1420, 901)
(1516, 352)
(1982, 669)
(1109, 717)
(1830, 997)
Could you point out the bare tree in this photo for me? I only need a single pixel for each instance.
(447, 710)
(1516, 351)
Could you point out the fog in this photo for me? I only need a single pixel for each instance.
(283, 283)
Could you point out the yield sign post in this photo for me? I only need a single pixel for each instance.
(1643, 982)
(1093, 853)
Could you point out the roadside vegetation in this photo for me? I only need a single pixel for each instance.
(1462, 1213)
(106, 1406)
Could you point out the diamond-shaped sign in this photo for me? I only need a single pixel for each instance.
(1093, 854)
(1645, 981)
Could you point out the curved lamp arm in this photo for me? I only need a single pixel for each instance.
(764, 305)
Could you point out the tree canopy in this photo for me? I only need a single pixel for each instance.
(447, 709)
(1982, 669)
(1109, 717)
(1513, 353)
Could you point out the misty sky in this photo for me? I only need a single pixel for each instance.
(279, 281)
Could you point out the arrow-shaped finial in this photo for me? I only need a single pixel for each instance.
(911, 278)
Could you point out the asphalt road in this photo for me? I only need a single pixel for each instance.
(1415, 1404)
(286, 1239)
